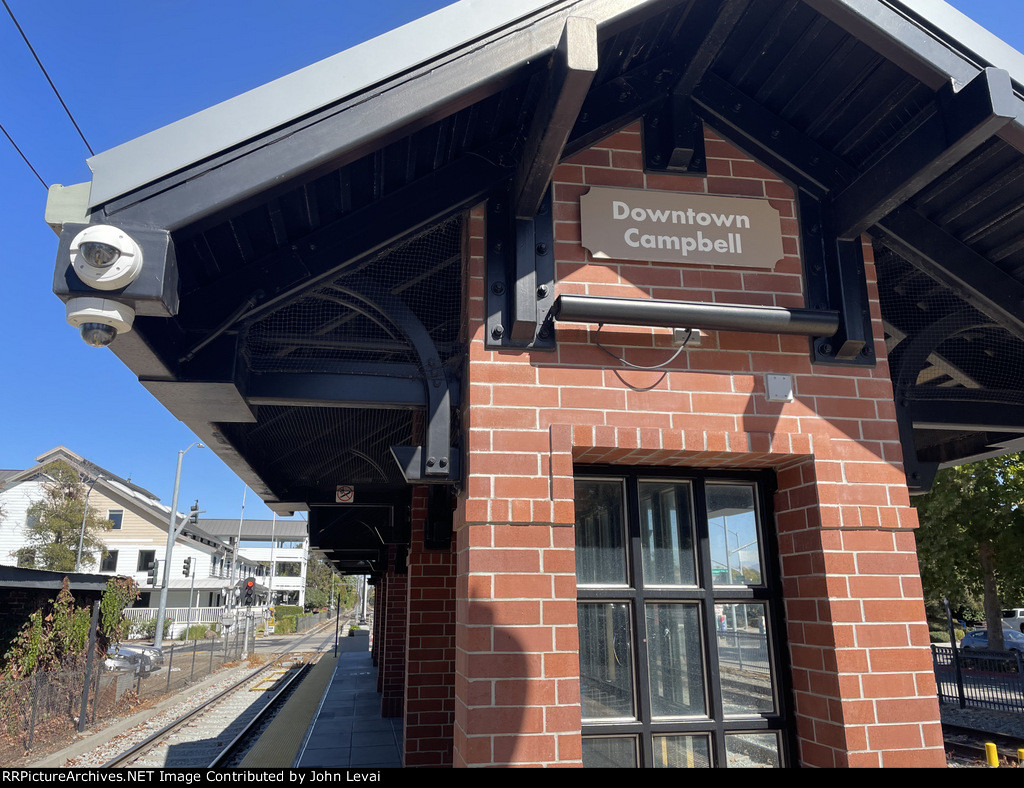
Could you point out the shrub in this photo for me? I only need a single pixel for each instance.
(287, 610)
(285, 625)
(196, 631)
(147, 629)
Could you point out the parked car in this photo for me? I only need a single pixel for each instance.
(1014, 618)
(134, 658)
(977, 640)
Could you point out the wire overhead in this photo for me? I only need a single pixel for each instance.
(52, 86)
(24, 158)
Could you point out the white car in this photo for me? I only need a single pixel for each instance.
(1014, 618)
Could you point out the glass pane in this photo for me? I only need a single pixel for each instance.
(600, 547)
(732, 528)
(666, 534)
(681, 752)
(744, 664)
(606, 662)
(674, 660)
(606, 752)
(752, 750)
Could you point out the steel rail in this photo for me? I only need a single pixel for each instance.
(124, 756)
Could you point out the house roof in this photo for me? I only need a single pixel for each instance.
(280, 529)
(314, 251)
(113, 485)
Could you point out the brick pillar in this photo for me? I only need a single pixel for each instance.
(517, 694)
(391, 673)
(380, 614)
(430, 665)
(863, 683)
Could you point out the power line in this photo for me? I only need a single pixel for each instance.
(54, 87)
(23, 156)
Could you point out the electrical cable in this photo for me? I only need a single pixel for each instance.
(52, 86)
(24, 158)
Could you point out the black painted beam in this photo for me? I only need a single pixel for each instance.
(714, 32)
(963, 121)
(969, 274)
(778, 145)
(570, 74)
(400, 386)
(967, 415)
(283, 275)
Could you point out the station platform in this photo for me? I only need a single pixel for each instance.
(333, 721)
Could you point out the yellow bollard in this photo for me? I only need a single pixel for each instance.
(1020, 757)
(991, 756)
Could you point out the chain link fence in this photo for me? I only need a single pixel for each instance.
(45, 710)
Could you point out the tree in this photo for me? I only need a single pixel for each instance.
(971, 539)
(318, 585)
(55, 522)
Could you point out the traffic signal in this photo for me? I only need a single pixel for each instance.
(151, 577)
(250, 592)
(186, 566)
(193, 517)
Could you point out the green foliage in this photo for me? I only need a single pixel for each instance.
(287, 610)
(120, 593)
(319, 583)
(51, 641)
(971, 539)
(284, 625)
(195, 631)
(55, 524)
(147, 628)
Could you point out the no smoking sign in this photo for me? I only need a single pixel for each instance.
(345, 493)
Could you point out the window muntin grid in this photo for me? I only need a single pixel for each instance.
(702, 653)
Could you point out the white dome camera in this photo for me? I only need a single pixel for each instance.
(99, 319)
(105, 257)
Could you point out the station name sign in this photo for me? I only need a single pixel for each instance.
(672, 227)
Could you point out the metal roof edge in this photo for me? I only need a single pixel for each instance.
(222, 126)
(969, 35)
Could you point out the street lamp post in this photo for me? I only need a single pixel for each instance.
(172, 528)
(81, 532)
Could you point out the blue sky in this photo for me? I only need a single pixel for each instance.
(164, 59)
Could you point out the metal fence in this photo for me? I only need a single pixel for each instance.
(45, 709)
(987, 679)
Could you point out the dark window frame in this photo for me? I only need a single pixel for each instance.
(119, 521)
(143, 566)
(716, 726)
(109, 562)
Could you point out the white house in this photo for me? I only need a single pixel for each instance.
(280, 544)
(138, 536)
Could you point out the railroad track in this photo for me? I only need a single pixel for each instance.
(212, 733)
(969, 745)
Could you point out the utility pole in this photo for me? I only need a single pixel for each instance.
(172, 532)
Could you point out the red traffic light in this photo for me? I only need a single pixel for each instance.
(250, 583)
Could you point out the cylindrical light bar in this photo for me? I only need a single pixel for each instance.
(691, 314)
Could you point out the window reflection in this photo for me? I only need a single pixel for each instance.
(743, 659)
(732, 530)
(666, 534)
(600, 551)
(606, 662)
(674, 660)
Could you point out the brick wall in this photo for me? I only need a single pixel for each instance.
(391, 670)
(861, 672)
(430, 645)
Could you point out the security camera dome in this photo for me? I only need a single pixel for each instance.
(98, 334)
(99, 319)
